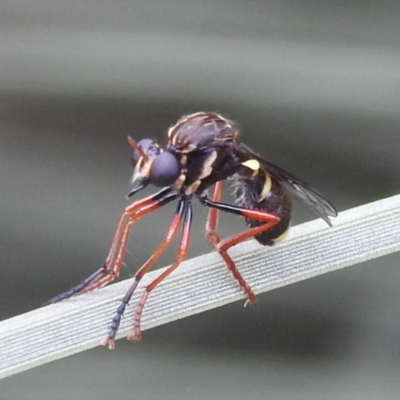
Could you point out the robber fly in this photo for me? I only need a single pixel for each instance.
(202, 152)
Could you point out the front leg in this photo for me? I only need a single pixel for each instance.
(111, 267)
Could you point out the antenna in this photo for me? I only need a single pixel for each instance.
(138, 148)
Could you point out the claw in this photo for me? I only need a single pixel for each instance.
(135, 336)
(108, 341)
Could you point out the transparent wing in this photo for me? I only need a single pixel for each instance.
(296, 186)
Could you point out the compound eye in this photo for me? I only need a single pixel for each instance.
(148, 146)
(165, 170)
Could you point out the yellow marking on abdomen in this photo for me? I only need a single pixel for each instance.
(266, 188)
(281, 236)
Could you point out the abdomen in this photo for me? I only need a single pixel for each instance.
(276, 201)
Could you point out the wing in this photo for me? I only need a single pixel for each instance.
(322, 207)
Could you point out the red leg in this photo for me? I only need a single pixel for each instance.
(222, 246)
(182, 251)
(107, 272)
(115, 263)
(132, 214)
(212, 236)
(139, 274)
(213, 217)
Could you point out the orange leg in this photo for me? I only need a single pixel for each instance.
(110, 269)
(116, 262)
(181, 210)
(213, 237)
(213, 216)
(182, 251)
(222, 246)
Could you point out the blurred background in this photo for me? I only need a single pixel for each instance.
(315, 86)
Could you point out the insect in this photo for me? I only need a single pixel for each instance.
(202, 152)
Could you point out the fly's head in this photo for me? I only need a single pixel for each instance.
(153, 165)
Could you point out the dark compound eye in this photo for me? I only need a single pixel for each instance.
(165, 169)
(148, 146)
